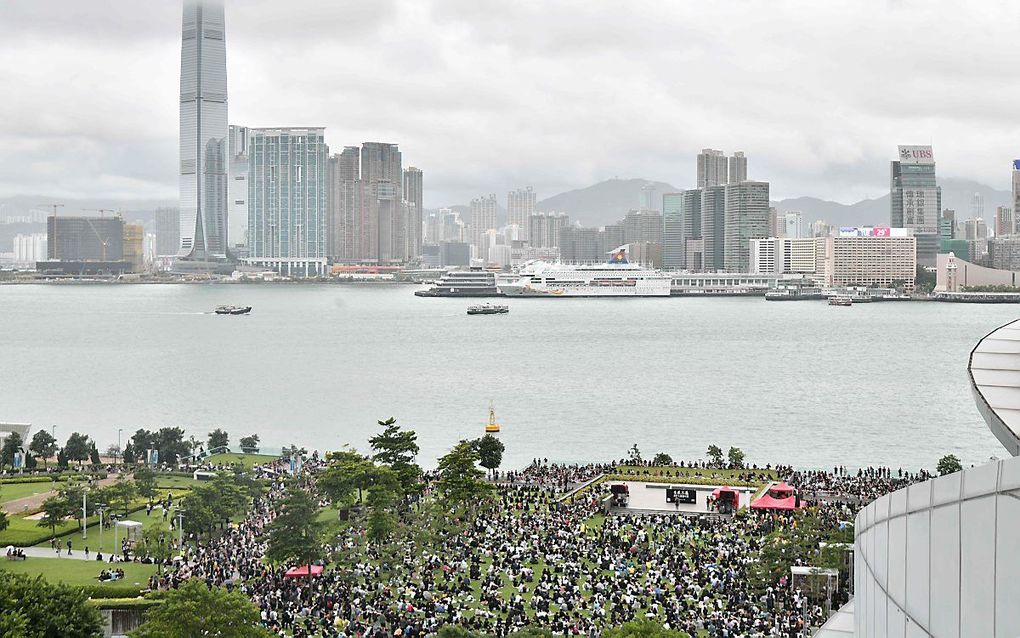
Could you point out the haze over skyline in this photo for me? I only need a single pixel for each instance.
(486, 97)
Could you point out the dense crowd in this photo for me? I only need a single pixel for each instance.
(532, 560)
(861, 487)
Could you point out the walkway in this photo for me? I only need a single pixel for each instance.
(45, 552)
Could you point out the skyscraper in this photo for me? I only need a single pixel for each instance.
(792, 225)
(168, 231)
(382, 185)
(738, 168)
(916, 199)
(746, 218)
(344, 204)
(413, 191)
(203, 133)
(237, 183)
(1004, 223)
(713, 227)
(712, 168)
(287, 227)
(673, 254)
(520, 206)
(483, 218)
(1016, 189)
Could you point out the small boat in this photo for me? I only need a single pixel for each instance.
(233, 310)
(492, 427)
(487, 309)
(841, 300)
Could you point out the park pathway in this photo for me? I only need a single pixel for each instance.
(45, 552)
(34, 502)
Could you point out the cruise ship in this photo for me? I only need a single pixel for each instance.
(463, 283)
(616, 278)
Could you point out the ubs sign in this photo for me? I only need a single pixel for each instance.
(916, 155)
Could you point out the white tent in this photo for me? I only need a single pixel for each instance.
(132, 531)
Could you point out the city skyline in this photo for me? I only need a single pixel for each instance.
(797, 144)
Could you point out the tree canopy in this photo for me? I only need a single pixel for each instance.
(77, 447)
(398, 448)
(490, 452)
(218, 438)
(948, 464)
(12, 445)
(460, 482)
(34, 608)
(193, 609)
(43, 444)
(296, 535)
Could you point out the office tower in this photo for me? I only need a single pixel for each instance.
(134, 246)
(642, 226)
(712, 168)
(483, 218)
(70, 238)
(344, 205)
(774, 226)
(382, 185)
(977, 205)
(713, 227)
(738, 168)
(1004, 223)
(792, 225)
(520, 206)
(287, 229)
(611, 237)
(647, 200)
(746, 217)
(916, 199)
(674, 255)
(975, 229)
(168, 230)
(691, 202)
(947, 226)
(413, 192)
(203, 134)
(237, 183)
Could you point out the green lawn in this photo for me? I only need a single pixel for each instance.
(80, 572)
(247, 460)
(13, 491)
(175, 482)
(92, 537)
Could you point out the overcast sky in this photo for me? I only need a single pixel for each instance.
(486, 96)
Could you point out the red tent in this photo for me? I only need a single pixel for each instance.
(767, 502)
(302, 572)
(781, 490)
(727, 490)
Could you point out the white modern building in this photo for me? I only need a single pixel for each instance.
(786, 255)
(28, 249)
(871, 256)
(237, 184)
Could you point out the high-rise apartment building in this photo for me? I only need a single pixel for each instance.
(642, 226)
(916, 199)
(674, 254)
(520, 206)
(545, 229)
(1004, 253)
(712, 168)
(746, 217)
(647, 199)
(1016, 189)
(791, 224)
(581, 245)
(1004, 222)
(29, 249)
(237, 183)
(483, 218)
(713, 227)
(738, 168)
(344, 205)
(287, 229)
(382, 229)
(168, 230)
(134, 246)
(414, 196)
(975, 229)
(203, 133)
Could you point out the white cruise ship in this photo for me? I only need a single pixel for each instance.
(616, 278)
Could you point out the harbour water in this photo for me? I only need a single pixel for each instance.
(571, 379)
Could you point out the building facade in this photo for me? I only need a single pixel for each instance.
(345, 205)
(70, 238)
(1004, 252)
(746, 217)
(383, 232)
(871, 257)
(483, 218)
(203, 132)
(287, 226)
(414, 189)
(1004, 223)
(916, 199)
(791, 224)
(713, 227)
(520, 206)
(674, 253)
(787, 255)
(738, 168)
(237, 185)
(29, 249)
(134, 246)
(713, 168)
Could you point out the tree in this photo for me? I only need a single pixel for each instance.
(171, 445)
(398, 449)
(645, 628)
(382, 495)
(94, 455)
(54, 510)
(12, 445)
(44, 445)
(295, 535)
(346, 472)
(460, 482)
(715, 454)
(43, 609)
(145, 482)
(250, 444)
(141, 441)
(218, 438)
(736, 457)
(490, 452)
(30, 462)
(121, 494)
(77, 448)
(193, 609)
(155, 545)
(61, 458)
(948, 464)
(3, 525)
(662, 459)
(634, 454)
(129, 453)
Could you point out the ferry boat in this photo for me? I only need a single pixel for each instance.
(233, 310)
(841, 300)
(615, 278)
(463, 283)
(487, 309)
(492, 427)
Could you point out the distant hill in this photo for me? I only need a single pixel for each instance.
(604, 203)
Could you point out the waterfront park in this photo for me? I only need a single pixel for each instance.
(367, 543)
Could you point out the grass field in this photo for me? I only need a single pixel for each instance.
(13, 491)
(155, 520)
(692, 472)
(247, 460)
(80, 572)
(175, 482)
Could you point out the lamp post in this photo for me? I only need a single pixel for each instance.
(180, 531)
(84, 512)
(100, 507)
(119, 430)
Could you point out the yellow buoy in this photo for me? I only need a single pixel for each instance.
(492, 426)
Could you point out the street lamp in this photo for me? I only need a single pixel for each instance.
(119, 430)
(100, 507)
(180, 531)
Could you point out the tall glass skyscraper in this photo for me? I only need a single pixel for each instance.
(203, 183)
(916, 199)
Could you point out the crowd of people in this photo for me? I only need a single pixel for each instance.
(532, 560)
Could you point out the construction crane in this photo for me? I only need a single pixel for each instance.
(102, 211)
(102, 240)
(53, 253)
